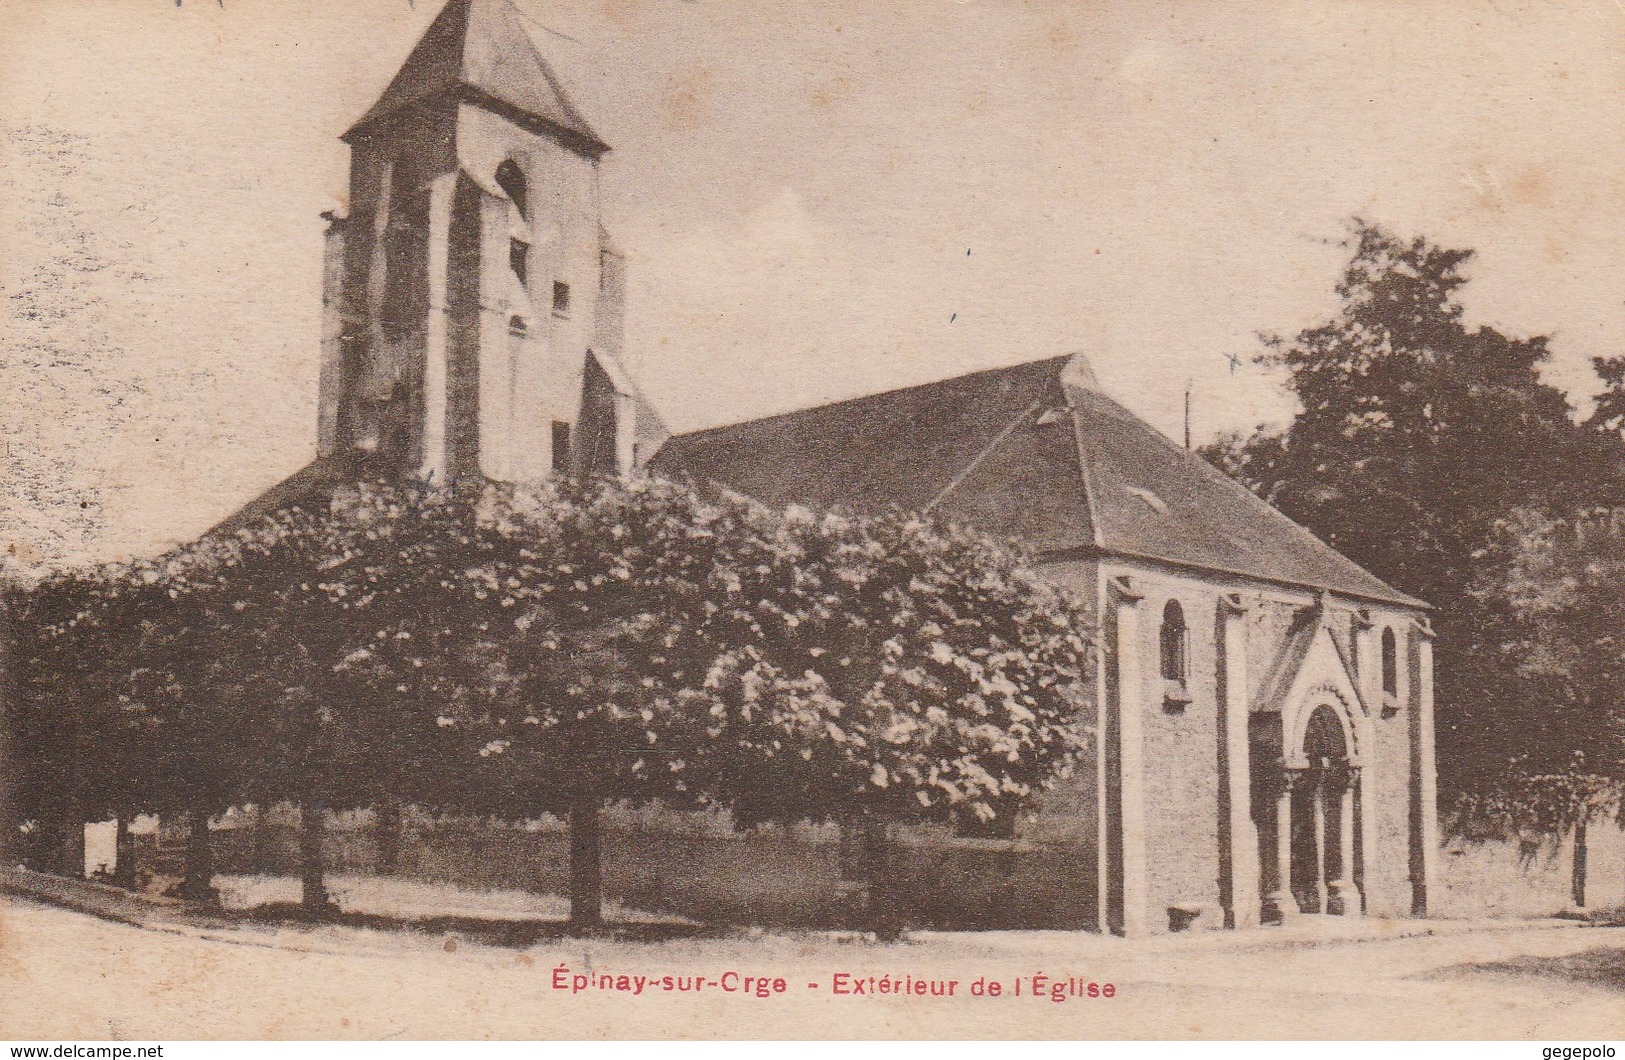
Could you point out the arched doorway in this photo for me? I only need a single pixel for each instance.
(1308, 849)
(1319, 861)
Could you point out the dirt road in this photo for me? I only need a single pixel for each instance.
(64, 975)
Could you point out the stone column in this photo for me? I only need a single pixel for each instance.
(437, 349)
(365, 284)
(378, 261)
(1343, 895)
(1279, 905)
(1131, 793)
(1425, 792)
(1317, 802)
(1105, 808)
(1239, 836)
(1369, 674)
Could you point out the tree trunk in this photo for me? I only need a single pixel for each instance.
(884, 911)
(1578, 890)
(198, 885)
(264, 860)
(123, 853)
(389, 837)
(586, 862)
(71, 846)
(313, 895)
(11, 841)
(42, 847)
(71, 862)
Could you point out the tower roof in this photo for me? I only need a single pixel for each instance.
(479, 51)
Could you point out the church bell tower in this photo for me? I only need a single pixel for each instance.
(472, 316)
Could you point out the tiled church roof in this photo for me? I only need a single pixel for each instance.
(478, 50)
(1033, 451)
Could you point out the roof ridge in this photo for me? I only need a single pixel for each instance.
(837, 402)
(976, 461)
(1086, 472)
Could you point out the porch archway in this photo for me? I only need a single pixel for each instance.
(1314, 829)
(1322, 808)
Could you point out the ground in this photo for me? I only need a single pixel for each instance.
(67, 975)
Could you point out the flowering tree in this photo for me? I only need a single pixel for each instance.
(513, 652)
(348, 630)
(785, 666)
(589, 596)
(47, 724)
(233, 670)
(112, 668)
(889, 669)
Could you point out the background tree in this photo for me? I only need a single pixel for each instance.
(1553, 595)
(1416, 434)
(1608, 417)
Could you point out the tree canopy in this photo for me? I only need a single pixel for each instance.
(511, 652)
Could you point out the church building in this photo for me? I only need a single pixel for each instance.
(1263, 709)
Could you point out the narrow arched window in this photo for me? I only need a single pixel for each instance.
(511, 179)
(1390, 664)
(1175, 641)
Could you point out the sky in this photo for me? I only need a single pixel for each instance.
(816, 200)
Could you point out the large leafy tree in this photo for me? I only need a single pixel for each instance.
(111, 674)
(890, 669)
(347, 635)
(49, 729)
(1416, 433)
(914, 671)
(708, 651)
(589, 605)
(227, 672)
(1553, 591)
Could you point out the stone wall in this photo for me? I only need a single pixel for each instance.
(1181, 758)
(793, 877)
(1501, 878)
(771, 876)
